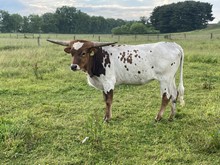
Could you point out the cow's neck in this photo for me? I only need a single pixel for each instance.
(98, 63)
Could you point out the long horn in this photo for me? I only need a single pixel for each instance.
(63, 43)
(101, 44)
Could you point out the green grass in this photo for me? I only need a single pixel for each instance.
(46, 110)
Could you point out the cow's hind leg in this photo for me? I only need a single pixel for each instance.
(164, 89)
(173, 109)
(174, 95)
(164, 103)
(108, 97)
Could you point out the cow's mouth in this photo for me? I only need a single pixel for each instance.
(74, 67)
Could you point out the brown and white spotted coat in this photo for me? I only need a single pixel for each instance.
(108, 65)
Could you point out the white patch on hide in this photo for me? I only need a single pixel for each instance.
(77, 45)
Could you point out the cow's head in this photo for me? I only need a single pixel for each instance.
(82, 52)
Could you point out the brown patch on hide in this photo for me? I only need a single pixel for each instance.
(126, 58)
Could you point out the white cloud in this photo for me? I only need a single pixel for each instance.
(43, 6)
(117, 11)
(124, 9)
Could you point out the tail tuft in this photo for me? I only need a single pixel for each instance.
(182, 102)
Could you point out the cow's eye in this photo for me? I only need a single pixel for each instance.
(83, 54)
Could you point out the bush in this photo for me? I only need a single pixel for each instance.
(134, 28)
(138, 28)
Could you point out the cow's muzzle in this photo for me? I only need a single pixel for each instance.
(74, 67)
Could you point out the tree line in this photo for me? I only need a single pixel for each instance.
(64, 20)
(175, 17)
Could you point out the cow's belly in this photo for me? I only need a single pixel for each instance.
(135, 80)
(134, 76)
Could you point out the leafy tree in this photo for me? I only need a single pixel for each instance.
(144, 20)
(117, 30)
(101, 25)
(111, 23)
(181, 16)
(82, 22)
(15, 23)
(66, 17)
(10, 23)
(25, 25)
(49, 23)
(35, 23)
(4, 21)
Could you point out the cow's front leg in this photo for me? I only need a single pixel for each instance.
(108, 97)
(164, 103)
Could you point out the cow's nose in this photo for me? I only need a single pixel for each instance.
(73, 67)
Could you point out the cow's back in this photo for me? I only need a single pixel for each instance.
(141, 63)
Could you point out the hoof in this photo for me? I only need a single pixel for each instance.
(106, 119)
(171, 119)
(158, 118)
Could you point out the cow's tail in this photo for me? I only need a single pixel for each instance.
(181, 87)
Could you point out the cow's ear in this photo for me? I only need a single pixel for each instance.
(92, 51)
(67, 49)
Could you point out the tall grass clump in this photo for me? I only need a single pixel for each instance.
(208, 81)
(214, 145)
(37, 74)
(94, 130)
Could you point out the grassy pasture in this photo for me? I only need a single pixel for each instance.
(46, 110)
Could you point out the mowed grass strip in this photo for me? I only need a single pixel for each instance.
(46, 110)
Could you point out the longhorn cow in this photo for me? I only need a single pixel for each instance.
(108, 64)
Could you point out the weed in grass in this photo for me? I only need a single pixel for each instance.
(216, 139)
(208, 85)
(214, 145)
(208, 81)
(94, 130)
(37, 74)
(4, 129)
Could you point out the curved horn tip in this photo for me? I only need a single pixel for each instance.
(63, 43)
(100, 44)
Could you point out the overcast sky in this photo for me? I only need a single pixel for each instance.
(124, 9)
